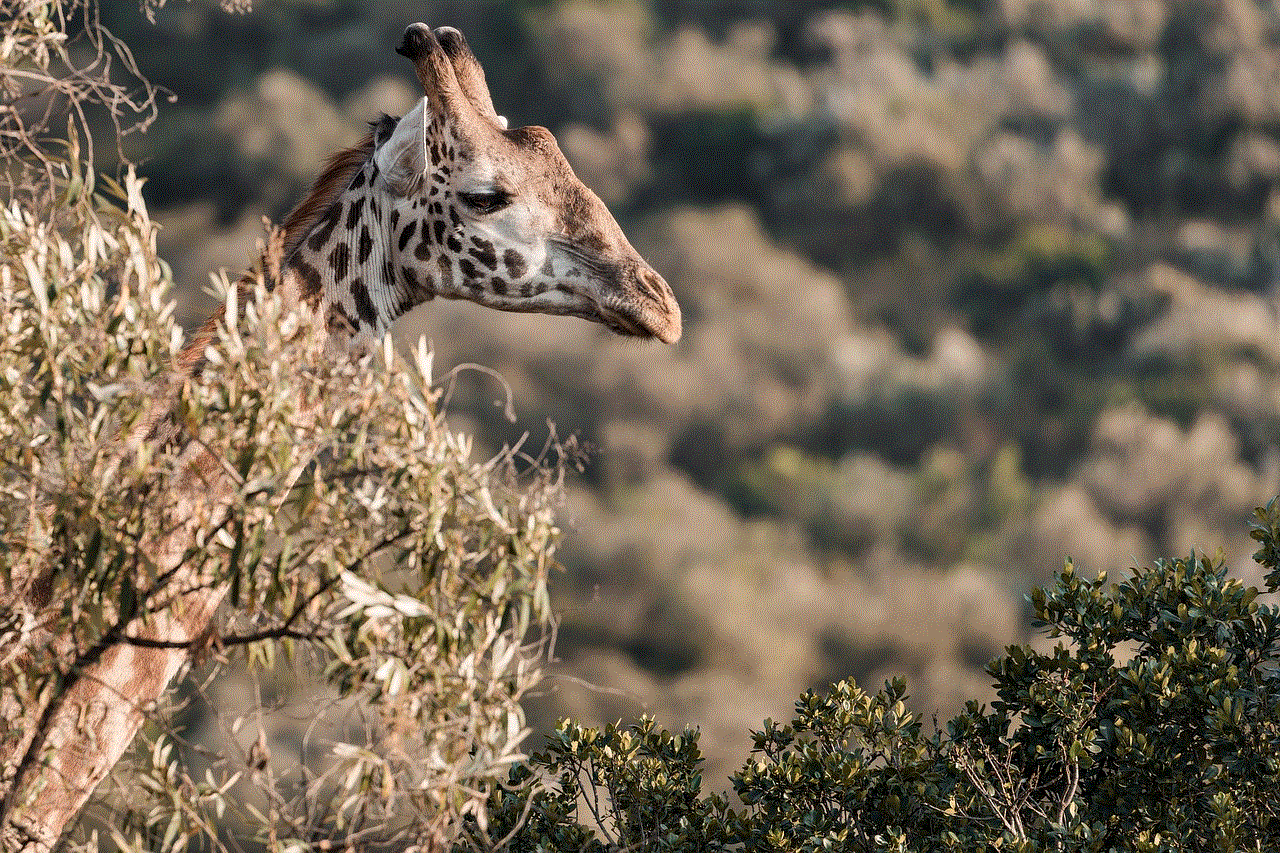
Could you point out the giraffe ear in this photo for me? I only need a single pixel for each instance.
(468, 72)
(401, 154)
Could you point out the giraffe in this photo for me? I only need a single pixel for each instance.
(446, 201)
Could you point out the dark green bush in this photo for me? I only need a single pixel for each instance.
(1153, 726)
(1038, 267)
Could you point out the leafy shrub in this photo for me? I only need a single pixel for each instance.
(399, 577)
(1155, 726)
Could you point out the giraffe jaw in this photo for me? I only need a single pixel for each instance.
(586, 303)
(640, 323)
(627, 296)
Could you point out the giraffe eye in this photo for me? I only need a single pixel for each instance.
(485, 202)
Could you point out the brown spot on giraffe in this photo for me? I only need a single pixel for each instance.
(407, 234)
(482, 250)
(353, 215)
(312, 285)
(514, 262)
(366, 244)
(324, 228)
(339, 261)
(364, 304)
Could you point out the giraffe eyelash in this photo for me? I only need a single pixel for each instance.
(485, 202)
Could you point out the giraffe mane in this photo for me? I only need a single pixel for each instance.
(337, 174)
(332, 181)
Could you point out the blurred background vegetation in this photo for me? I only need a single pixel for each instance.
(969, 287)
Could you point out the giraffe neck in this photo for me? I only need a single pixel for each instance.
(345, 265)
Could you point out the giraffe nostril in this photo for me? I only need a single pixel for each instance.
(655, 287)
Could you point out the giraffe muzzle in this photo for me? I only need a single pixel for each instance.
(640, 304)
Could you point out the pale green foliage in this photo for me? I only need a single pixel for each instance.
(428, 644)
(379, 578)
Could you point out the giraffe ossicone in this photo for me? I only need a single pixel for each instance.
(448, 201)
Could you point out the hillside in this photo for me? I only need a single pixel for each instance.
(969, 288)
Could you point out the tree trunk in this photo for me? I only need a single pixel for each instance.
(91, 715)
(85, 730)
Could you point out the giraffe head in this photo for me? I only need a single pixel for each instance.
(496, 216)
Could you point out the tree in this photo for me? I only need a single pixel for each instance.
(391, 593)
(375, 570)
(1154, 727)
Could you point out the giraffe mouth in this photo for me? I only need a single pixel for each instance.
(630, 300)
(589, 304)
(623, 325)
(636, 320)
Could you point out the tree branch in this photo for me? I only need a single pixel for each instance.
(280, 633)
